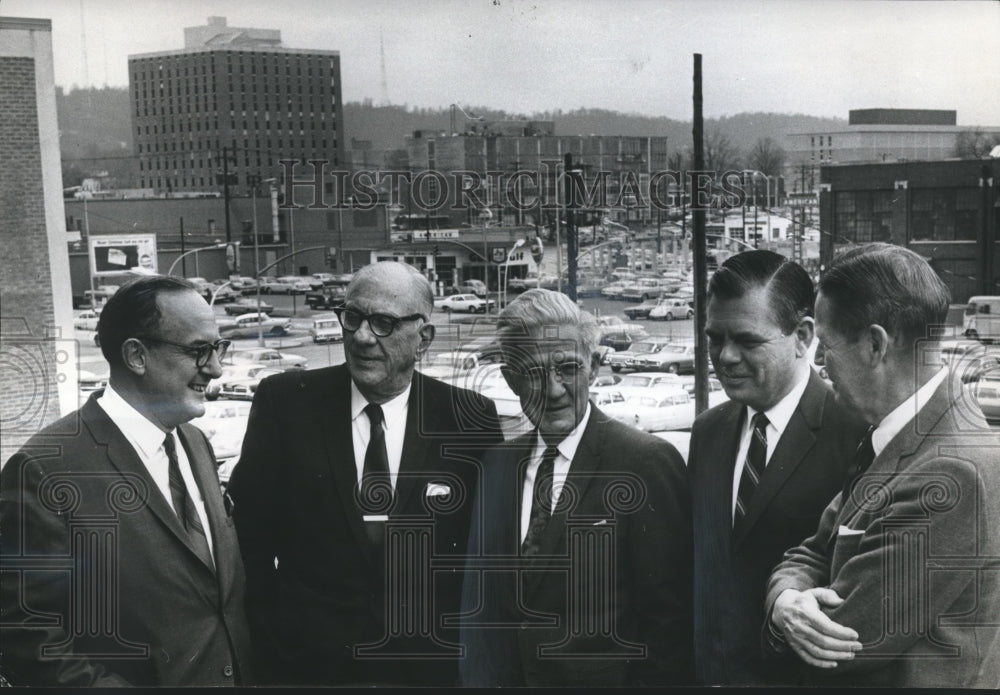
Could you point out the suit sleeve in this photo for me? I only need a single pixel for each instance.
(34, 605)
(255, 488)
(924, 514)
(661, 569)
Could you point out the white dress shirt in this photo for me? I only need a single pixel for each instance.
(560, 469)
(893, 423)
(777, 420)
(147, 441)
(394, 423)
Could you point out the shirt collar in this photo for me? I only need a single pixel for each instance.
(893, 423)
(146, 436)
(392, 410)
(781, 412)
(568, 446)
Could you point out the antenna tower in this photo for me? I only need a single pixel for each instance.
(385, 87)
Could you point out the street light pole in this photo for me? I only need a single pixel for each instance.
(173, 265)
(256, 260)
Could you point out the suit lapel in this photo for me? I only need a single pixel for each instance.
(796, 441)
(207, 479)
(906, 442)
(585, 464)
(332, 410)
(122, 456)
(723, 441)
(417, 449)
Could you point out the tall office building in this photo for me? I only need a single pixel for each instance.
(237, 94)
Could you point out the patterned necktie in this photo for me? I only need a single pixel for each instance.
(376, 483)
(863, 458)
(183, 504)
(753, 467)
(541, 502)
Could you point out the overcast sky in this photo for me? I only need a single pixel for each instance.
(816, 57)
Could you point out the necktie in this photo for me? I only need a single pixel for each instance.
(183, 504)
(753, 467)
(376, 483)
(541, 501)
(863, 458)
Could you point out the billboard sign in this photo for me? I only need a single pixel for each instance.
(113, 254)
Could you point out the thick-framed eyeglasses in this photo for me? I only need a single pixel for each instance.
(564, 372)
(202, 353)
(382, 325)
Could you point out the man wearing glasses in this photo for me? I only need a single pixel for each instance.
(580, 557)
(353, 495)
(120, 564)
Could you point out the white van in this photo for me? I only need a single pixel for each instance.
(326, 328)
(982, 318)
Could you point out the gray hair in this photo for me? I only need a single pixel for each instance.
(536, 310)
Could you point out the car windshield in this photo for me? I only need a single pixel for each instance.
(644, 348)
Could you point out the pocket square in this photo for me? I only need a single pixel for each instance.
(845, 531)
(437, 490)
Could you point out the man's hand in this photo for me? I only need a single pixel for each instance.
(818, 640)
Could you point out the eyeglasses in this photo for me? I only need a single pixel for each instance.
(564, 372)
(382, 325)
(202, 353)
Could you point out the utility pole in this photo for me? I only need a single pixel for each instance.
(571, 240)
(700, 260)
(225, 189)
(183, 260)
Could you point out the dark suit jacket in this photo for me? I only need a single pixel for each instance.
(915, 554)
(316, 589)
(98, 574)
(607, 601)
(732, 566)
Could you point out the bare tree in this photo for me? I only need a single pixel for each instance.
(975, 144)
(767, 156)
(720, 153)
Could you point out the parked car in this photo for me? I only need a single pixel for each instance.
(288, 284)
(250, 324)
(86, 320)
(988, 396)
(293, 284)
(225, 425)
(643, 289)
(245, 306)
(670, 309)
(613, 290)
(268, 357)
(716, 394)
(326, 278)
(244, 284)
(88, 381)
(204, 287)
(645, 383)
(622, 340)
(232, 372)
(326, 328)
(641, 310)
(671, 358)
(664, 410)
(222, 291)
(329, 298)
(244, 389)
(628, 358)
(476, 287)
(469, 303)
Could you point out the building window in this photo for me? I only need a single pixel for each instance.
(950, 214)
(863, 216)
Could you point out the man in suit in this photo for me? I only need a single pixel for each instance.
(899, 585)
(120, 563)
(751, 503)
(580, 556)
(353, 495)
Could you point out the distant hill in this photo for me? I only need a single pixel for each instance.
(95, 127)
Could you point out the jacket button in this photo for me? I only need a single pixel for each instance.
(227, 671)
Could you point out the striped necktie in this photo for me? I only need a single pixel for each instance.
(184, 504)
(753, 467)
